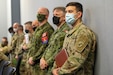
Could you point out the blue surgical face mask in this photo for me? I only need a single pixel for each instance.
(70, 18)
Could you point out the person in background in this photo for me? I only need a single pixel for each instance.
(17, 52)
(4, 46)
(10, 29)
(35, 24)
(40, 40)
(12, 44)
(3, 57)
(56, 40)
(24, 48)
(79, 43)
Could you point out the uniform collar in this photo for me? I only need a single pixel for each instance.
(74, 28)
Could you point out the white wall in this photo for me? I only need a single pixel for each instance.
(3, 18)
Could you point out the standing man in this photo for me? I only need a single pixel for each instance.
(40, 40)
(79, 44)
(56, 40)
(25, 46)
(18, 53)
(12, 44)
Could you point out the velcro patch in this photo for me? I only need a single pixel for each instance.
(81, 43)
(44, 38)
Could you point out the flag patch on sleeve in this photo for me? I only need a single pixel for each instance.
(44, 38)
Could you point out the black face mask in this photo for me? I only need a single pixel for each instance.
(41, 17)
(34, 28)
(27, 31)
(56, 20)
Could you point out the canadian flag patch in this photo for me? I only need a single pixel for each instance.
(44, 38)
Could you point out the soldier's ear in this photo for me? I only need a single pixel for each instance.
(79, 14)
(46, 16)
(63, 18)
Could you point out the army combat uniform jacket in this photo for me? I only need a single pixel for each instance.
(80, 46)
(38, 45)
(3, 56)
(55, 44)
(4, 49)
(40, 41)
(19, 41)
(12, 44)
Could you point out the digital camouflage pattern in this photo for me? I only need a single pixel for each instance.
(38, 45)
(55, 45)
(80, 45)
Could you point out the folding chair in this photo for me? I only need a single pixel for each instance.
(8, 70)
(3, 63)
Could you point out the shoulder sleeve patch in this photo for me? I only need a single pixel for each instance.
(44, 38)
(81, 42)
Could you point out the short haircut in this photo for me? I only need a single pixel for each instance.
(46, 11)
(10, 28)
(20, 27)
(78, 6)
(4, 38)
(28, 22)
(60, 8)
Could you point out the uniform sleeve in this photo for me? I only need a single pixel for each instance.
(78, 57)
(3, 56)
(5, 50)
(13, 42)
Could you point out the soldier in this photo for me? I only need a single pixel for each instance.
(56, 40)
(4, 51)
(17, 51)
(24, 48)
(20, 39)
(40, 40)
(4, 46)
(12, 44)
(10, 29)
(79, 44)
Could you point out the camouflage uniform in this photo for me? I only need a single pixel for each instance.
(3, 56)
(4, 49)
(27, 68)
(12, 47)
(18, 51)
(55, 45)
(20, 39)
(38, 45)
(80, 45)
(12, 44)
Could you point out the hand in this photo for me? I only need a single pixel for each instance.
(1, 49)
(55, 71)
(24, 47)
(43, 63)
(16, 56)
(30, 61)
